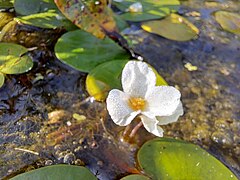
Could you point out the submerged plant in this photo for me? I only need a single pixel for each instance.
(155, 105)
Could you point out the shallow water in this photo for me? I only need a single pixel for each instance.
(38, 126)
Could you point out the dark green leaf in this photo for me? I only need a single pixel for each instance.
(25, 7)
(57, 172)
(84, 52)
(13, 59)
(165, 158)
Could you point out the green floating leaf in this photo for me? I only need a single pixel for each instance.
(24, 7)
(135, 177)
(173, 27)
(1, 79)
(165, 158)
(121, 23)
(229, 21)
(13, 59)
(57, 172)
(84, 51)
(104, 78)
(107, 76)
(6, 4)
(50, 19)
(151, 9)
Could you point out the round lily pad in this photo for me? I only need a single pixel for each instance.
(14, 59)
(83, 51)
(165, 158)
(229, 21)
(151, 9)
(172, 27)
(57, 172)
(104, 78)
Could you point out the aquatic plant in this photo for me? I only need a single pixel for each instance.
(155, 105)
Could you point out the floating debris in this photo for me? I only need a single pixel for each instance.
(190, 67)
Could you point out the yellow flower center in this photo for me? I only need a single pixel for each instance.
(136, 103)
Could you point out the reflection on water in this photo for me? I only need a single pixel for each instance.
(51, 120)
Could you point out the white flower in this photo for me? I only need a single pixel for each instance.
(155, 105)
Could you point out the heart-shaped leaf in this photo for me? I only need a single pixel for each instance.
(84, 52)
(165, 158)
(57, 172)
(229, 21)
(13, 59)
(151, 9)
(173, 27)
(92, 16)
(107, 76)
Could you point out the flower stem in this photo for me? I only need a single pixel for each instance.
(135, 129)
(125, 132)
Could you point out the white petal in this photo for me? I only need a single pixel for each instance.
(162, 100)
(118, 108)
(173, 118)
(151, 125)
(137, 78)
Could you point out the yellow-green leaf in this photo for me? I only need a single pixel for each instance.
(172, 27)
(1, 79)
(49, 19)
(229, 21)
(5, 18)
(13, 59)
(166, 158)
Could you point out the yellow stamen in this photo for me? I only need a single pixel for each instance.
(136, 103)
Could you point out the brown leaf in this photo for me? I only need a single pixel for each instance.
(93, 16)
